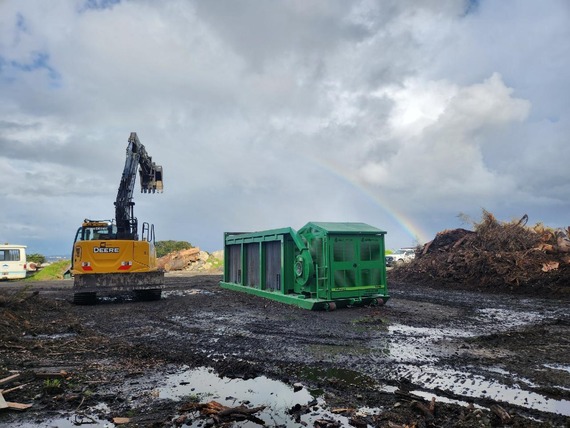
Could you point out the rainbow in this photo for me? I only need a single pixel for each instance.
(407, 223)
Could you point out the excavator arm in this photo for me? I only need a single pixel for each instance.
(151, 182)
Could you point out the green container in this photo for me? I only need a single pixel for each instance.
(322, 266)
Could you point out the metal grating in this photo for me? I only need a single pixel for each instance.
(371, 277)
(343, 250)
(344, 278)
(273, 265)
(234, 263)
(370, 250)
(252, 263)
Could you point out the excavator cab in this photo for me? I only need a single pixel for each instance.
(97, 230)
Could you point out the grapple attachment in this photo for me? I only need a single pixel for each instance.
(151, 180)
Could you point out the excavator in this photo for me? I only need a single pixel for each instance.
(109, 256)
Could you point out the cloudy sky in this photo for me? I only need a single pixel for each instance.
(400, 114)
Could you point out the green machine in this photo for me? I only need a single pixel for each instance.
(321, 267)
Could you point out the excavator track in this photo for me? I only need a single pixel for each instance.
(146, 286)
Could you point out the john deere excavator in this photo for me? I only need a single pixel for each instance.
(110, 256)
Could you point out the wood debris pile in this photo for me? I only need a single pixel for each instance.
(179, 260)
(495, 254)
(217, 414)
(191, 259)
(9, 404)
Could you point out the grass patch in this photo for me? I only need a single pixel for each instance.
(52, 271)
(215, 262)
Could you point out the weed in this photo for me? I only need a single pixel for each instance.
(52, 386)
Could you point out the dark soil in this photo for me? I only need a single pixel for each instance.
(476, 353)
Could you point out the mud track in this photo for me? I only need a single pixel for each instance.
(471, 351)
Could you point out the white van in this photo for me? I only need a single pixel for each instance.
(12, 261)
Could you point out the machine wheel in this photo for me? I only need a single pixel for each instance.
(85, 298)
(331, 306)
(377, 302)
(148, 295)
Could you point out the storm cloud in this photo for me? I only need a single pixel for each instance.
(272, 114)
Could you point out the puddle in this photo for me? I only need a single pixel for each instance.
(204, 385)
(415, 344)
(182, 293)
(477, 386)
(57, 336)
(71, 421)
(131, 297)
(417, 352)
(505, 318)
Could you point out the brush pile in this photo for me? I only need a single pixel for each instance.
(495, 254)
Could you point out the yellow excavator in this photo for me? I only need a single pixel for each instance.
(110, 256)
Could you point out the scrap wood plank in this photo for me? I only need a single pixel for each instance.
(46, 374)
(11, 405)
(10, 378)
(120, 421)
(18, 406)
(6, 391)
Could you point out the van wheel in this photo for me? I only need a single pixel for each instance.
(85, 298)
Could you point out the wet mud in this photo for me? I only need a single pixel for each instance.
(462, 352)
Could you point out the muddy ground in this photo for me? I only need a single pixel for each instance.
(481, 356)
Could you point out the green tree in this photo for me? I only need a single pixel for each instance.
(36, 258)
(165, 247)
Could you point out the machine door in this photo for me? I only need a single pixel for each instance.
(356, 262)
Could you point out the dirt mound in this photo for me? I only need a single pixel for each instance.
(502, 255)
